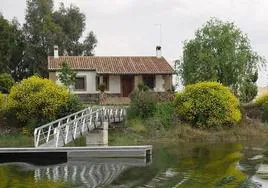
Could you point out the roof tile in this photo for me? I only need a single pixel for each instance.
(113, 64)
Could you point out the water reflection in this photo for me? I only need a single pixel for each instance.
(92, 173)
(173, 165)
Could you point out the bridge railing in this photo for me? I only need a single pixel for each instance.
(66, 129)
(45, 133)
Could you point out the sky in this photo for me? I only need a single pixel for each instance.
(131, 27)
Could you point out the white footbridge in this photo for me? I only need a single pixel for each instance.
(62, 131)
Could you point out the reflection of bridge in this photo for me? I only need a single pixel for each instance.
(64, 130)
(93, 173)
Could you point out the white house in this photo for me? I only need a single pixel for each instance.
(120, 74)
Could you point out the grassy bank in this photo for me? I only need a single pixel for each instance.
(16, 140)
(138, 132)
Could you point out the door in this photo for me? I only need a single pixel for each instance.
(127, 85)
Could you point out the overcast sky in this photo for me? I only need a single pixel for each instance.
(127, 27)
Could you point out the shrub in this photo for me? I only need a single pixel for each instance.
(248, 91)
(2, 101)
(143, 104)
(165, 113)
(265, 112)
(261, 100)
(207, 104)
(72, 105)
(6, 82)
(35, 101)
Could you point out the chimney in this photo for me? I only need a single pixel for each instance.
(56, 52)
(158, 52)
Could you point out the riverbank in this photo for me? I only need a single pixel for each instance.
(139, 133)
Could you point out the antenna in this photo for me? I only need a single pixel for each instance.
(160, 33)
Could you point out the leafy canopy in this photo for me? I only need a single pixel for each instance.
(46, 27)
(221, 52)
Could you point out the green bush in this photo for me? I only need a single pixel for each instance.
(72, 105)
(35, 101)
(165, 113)
(2, 102)
(207, 104)
(143, 104)
(248, 92)
(6, 82)
(265, 112)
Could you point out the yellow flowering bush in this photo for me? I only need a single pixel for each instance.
(261, 100)
(207, 104)
(35, 100)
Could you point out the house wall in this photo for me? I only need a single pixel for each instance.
(90, 81)
(52, 76)
(114, 84)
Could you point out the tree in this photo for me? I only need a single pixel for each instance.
(67, 76)
(45, 27)
(6, 82)
(12, 49)
(89, 44)
(221, 52)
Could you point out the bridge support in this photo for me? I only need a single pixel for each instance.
(98, 137)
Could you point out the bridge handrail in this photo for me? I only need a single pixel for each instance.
(67, 127)
(63, 118)
(38, 129)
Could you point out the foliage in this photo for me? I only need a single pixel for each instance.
(221, 52)
(46, 27)
(101, 87)
(165, 113)
(2, 102)
(35, 101)
(143, 87)
(72, 105)
(248, 91)
(261, 100)
(207, 104)
(143, 104)
(12, 49)
(6, 82)
(265, 112)
(67, 76)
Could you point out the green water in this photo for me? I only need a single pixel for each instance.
(173, 165)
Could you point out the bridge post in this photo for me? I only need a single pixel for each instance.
(98, 137)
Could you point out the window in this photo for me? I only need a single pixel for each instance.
(105, 82)
(149, 80)
(80, 83)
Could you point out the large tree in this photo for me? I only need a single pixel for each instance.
(221, 52)
(12, 46)
(45, 28)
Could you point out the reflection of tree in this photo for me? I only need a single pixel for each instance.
(212, 166)
(195, 167)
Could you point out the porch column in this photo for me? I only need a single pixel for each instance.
(137, 81)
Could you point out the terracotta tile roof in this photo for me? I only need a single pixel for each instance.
(113, 64)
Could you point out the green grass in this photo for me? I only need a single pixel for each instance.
(79, 142)
(16, 140)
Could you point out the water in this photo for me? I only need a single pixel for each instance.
(173, 165)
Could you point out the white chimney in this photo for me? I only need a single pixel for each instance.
(56, 52)
(158, 52)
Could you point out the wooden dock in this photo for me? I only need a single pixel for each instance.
(64, 154)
